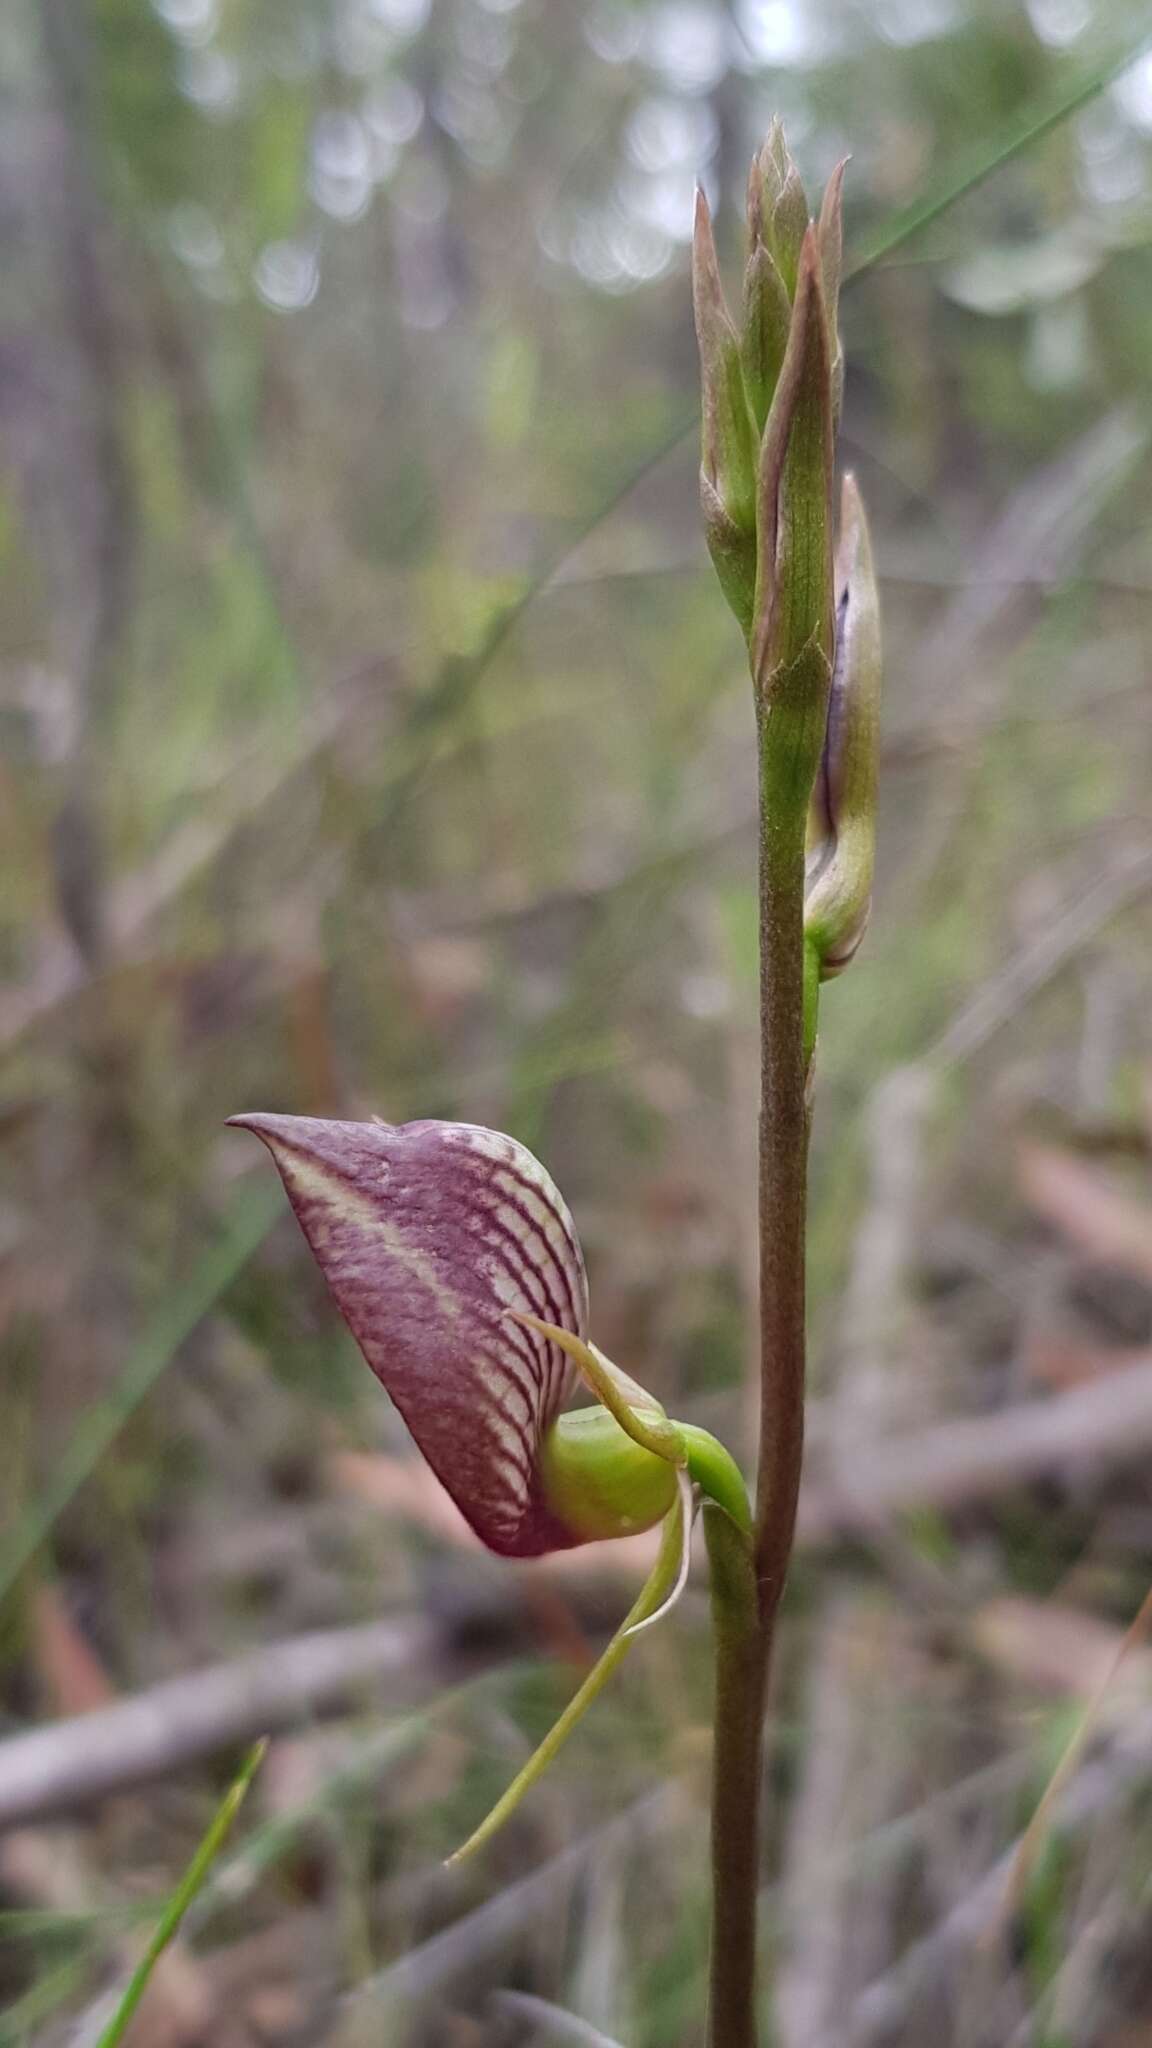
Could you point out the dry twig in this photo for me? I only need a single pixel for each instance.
(68, 1764)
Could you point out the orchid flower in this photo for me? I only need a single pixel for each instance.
(453, 1258)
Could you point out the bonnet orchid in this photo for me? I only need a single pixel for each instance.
(449, 1250)
(454, 1260)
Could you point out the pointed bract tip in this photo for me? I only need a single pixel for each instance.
(811, 298)
(754, 205)
(775, 148)
(851, 502)
(853, 545)
(705, 263)
(831, 205)
(810, 253)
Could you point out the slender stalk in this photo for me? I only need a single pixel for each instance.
(771, 399)
(659, 1586)
(738, 1716)
(746, 1597)
(783, 1161)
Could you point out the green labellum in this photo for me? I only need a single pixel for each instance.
(598, 1481)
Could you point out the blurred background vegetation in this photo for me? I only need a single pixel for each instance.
(376, 740)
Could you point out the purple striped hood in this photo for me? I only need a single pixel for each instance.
(427, 1233)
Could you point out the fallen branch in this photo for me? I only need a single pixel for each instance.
(958, 1464)
(71, 1763)
(68, 1764)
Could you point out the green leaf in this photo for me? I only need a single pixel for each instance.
(191, 1882)
(247, 1227)
(987, 158)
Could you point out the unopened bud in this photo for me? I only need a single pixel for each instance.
(767, 314)
(830, 236)
(729, 432)
(842, 819)
(771, 399)
(794, 505)
(778, 206)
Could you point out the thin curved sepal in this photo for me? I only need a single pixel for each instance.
(657, 1597)
(686, 1503)
(639, 1414)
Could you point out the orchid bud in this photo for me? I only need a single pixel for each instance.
(783, 376)
(830, 237)
(777, 224)
(777, 205)
(767, 295)
(842, 819)
(729, 432)
(793, 628)
(810, 623)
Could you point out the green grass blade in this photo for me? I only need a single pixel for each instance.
(985, 161)
(183, 1895)
(247, 1226)
(459, 676)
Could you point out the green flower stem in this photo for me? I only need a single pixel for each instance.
(813, 645)
(811, 1003)
(783, 1158)
(738, 1714)
(714, 1470)
(652, 1596)
(748, 1585)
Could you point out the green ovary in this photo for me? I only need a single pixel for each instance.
(599, 1482)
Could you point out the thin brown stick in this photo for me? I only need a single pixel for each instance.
(948, 1465)
(69, 1764)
